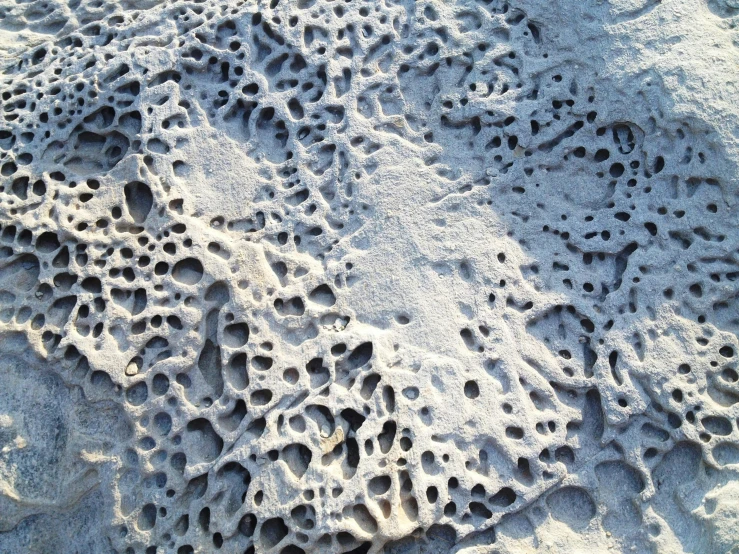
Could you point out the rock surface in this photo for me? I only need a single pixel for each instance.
(349, 276)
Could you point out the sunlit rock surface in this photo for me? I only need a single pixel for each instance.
(354, 276)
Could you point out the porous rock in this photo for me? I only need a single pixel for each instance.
(348, 276)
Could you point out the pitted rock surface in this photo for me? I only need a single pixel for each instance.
(348, 276)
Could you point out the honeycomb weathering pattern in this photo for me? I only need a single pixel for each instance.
(347, 276)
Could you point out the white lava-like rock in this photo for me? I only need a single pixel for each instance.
(352, 276)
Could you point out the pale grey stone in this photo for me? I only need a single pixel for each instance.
(341, 276)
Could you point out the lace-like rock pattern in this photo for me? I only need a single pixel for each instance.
(348, 276)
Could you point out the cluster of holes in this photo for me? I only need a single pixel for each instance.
(264, 78)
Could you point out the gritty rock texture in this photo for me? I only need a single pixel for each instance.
(346, 276)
